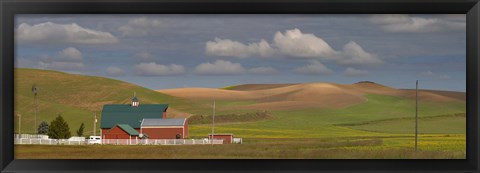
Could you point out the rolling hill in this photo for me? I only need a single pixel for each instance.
(294, 110)
(317, 109)
(308, 95)
(77, 97)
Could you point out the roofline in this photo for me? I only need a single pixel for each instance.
(124, 129)
(183, 124)
(179, 125)
(103, 110)
(221, 134)
(167, 105)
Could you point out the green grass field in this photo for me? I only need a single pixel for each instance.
(431, 147)
(313, 123)
(381, 127)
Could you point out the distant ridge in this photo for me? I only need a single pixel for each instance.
(370, 84)
(305, 95)
(250, 87)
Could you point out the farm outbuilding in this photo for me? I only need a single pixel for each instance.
(165, 128)
(121, 131)
(124, 121)
(227, 137)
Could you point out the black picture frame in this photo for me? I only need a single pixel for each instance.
(9, 8)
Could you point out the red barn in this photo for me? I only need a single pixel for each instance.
(165, 128)
(124, 121)
(227, 137)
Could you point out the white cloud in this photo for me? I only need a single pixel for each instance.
(71, 54)
(154, 69)
(389, 18)
(297, 44)
(69, 59)
(139, 27)
(294, 43)
(427, 73)
(353, 54)
(115, 71)
(60, 34)
(406, 23)
(263, 70)
(433, 75)
(220, 67)
(314, 68)
(229, 48)
(355, 72)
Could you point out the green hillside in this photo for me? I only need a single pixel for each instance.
(379, 116)
(75, 97)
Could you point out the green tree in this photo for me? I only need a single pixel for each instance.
(42, 128)
(80, 130)
(59, 129)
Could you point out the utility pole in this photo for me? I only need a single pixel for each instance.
(95, 124)
(35, 102)
(416, 116)
(19, 124)
(213, 121)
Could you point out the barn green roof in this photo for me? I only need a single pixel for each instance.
(113, 114)
(128, 129)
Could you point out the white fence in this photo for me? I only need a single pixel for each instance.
(44, 140)
(47, 141)
(119, 141)
(31, 136)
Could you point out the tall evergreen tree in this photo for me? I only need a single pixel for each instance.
(59, 129)
(80, 130)
(42, 128)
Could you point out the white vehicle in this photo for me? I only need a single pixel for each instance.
(95, 140)
(76, 139)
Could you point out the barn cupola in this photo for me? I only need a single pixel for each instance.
(135, 102)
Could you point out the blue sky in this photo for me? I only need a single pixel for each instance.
(171, 51)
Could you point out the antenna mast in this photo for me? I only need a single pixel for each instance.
(95, 124)
(416, 116)
(213, 121)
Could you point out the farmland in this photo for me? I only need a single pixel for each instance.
(433, 147)
(311, 120)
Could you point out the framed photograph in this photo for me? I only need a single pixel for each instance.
(208, 85)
